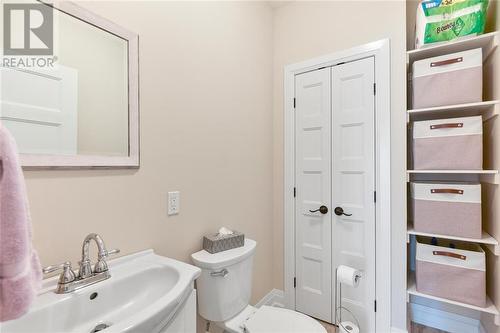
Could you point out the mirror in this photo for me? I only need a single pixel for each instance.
(76, 106)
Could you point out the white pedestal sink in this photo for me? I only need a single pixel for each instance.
(146, 293)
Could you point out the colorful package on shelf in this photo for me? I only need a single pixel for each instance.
(445, 20)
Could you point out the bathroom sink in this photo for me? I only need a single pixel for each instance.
(143, 294)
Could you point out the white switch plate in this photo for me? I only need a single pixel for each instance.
(174, 200)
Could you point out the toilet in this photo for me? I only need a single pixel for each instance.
(224, 289)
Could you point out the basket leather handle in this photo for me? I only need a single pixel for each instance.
(447, 190)
(449, 254)
(449, 125)
(447, 62)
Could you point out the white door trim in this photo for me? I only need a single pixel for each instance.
(380, 50)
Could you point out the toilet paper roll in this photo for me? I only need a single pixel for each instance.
(348, 327)
(348, 276)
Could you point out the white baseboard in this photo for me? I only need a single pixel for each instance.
(446, 321)
(275, 297)
(398, 330)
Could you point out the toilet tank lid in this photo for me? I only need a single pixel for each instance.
(204, 259)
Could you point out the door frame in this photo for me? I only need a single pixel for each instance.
(380, 50)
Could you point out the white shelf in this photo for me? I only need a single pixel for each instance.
(487, 109)
(490, 307)
(488, 42)
(486, 176)
(486, 239)
(478, 172)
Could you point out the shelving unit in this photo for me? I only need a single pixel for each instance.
(490, 306)
(489, 110)
(486, 239)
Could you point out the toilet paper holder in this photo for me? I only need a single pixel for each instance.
(338, 319)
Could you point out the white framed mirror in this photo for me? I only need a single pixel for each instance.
(79, 106)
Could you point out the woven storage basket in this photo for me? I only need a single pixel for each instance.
(218, 243)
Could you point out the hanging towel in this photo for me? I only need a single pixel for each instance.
(20, 271)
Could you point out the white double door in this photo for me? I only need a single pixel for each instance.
(335, 168)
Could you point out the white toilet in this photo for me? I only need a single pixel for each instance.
(224, 289)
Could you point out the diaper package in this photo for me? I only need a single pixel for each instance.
(445, 20)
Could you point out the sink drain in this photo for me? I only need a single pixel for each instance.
(100, 327)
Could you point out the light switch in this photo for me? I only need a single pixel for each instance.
(174, 202)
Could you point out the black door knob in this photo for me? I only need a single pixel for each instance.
(322, 210)
(340, 211)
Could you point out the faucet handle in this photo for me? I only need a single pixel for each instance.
(53, 268)
(101, 265)
(66, 276)
(110, 252)
(105, 253)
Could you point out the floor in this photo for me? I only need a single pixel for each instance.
(329, 327)
(415, 328)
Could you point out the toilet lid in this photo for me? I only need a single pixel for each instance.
(272, 319)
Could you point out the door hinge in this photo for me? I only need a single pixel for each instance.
(374, 88)
(374, 196)
(375, 305)
(294, 102)
(295, 282)
(294, 192)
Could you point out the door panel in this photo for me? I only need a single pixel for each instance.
(353, 180)
(40, 109)
(313, 182)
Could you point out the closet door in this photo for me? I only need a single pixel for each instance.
(353, 179)
(313, 257)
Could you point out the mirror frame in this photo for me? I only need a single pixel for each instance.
(42, 161)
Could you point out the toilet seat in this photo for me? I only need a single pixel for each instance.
(268, 319)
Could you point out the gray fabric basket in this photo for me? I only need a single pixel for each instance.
(218, 243)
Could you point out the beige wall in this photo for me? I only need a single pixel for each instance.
(304, 30)
(206, 130)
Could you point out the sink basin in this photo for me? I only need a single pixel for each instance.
(143, 294)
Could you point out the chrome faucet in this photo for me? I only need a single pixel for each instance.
(69, 281)
(101, 266)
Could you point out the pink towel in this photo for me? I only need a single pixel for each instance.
(20, 271)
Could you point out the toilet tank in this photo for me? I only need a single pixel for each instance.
(225, 283)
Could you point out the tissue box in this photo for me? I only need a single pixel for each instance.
(217, 243)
